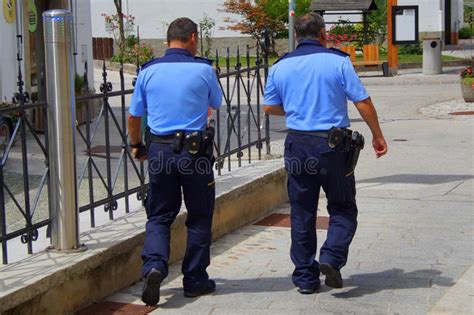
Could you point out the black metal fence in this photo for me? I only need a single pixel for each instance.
(109, 179)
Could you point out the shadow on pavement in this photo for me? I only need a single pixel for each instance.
(175, 299)
(431, 179)
(392, 279)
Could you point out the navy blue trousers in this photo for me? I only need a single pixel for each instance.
(169, 173)
(311, 164)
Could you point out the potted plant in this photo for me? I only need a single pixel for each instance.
(467, 84)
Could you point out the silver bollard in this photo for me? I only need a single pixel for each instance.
(61, 130)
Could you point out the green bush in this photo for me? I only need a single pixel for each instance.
(78, 83)
(414, 49)
(466, 33)
(469, 81)
(135, 52)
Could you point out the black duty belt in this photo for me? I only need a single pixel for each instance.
(167, 139)
(322, 134)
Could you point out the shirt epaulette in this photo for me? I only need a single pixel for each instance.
(339, 52)
(206, 60)
(149, 63)
(281, 58)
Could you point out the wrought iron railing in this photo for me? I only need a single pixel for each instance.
(109, 179)
(17, 193)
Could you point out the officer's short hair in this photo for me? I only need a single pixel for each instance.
(181, 29)
(309, 26)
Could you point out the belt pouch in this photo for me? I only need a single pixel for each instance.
(178, 142)
(193, 142)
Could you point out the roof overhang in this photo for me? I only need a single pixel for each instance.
(343, 5)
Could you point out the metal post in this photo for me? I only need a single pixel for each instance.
(58, 26)
(291, 25)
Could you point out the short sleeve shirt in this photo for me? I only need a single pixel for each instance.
(175, 91)
(313, 83)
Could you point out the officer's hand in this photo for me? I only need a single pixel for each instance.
(380, 146)
(140, 154)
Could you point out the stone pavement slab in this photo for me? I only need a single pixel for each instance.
(415, 236)
(459, 298)
(399, 273)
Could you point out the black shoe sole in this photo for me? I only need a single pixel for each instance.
(309, 291)
(151, 290)
(210, 288)
(333, 276)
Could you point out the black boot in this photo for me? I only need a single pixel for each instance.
(209, 288)
(333, 276)
(151, 289)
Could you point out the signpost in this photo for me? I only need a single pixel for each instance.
(392, 48)
(291, 24)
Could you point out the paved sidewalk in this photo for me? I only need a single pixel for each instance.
(415, 227)
(414, 244)
(392, 269)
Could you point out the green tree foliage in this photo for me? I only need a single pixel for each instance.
(206, 25)
(255, 20)
(271, 15)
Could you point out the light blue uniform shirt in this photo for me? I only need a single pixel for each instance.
(313, 84)
(174, 91)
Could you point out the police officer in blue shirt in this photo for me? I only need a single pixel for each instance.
(311, 86)
(175, 91)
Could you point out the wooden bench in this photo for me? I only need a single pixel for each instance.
(371, 59)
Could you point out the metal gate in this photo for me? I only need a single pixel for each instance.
(109, 180)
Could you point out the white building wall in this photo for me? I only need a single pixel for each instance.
(431, 14)
(153, 16)
(8, 64)
(84, 38)
(457, 9)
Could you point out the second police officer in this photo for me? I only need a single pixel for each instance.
(311, 86)
(175, 91)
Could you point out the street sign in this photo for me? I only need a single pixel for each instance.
(9, 11)
(32, 16)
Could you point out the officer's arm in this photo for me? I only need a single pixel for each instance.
(135, 129)
(272, 99)
(137, 110)
(369, 114)
(276, 110)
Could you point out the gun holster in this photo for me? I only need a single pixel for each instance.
(347, 141)
(208, 139)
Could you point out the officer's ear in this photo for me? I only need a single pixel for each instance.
(194, 37)
(322, 36)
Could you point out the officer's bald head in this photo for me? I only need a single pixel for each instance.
(309, 26)
(181, 30)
